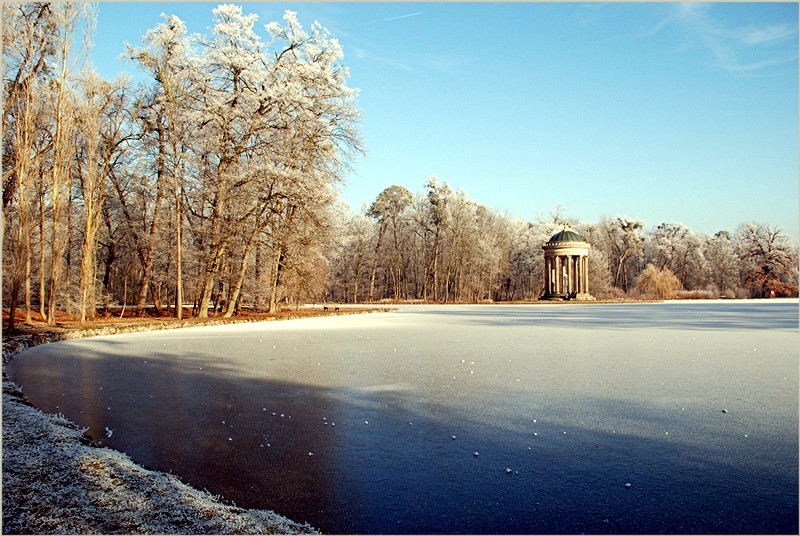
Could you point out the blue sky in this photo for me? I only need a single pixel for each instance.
(681, 112)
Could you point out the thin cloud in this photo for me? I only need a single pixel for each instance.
(735, 49)
(397, 18)
(365, 55)
(767, 35)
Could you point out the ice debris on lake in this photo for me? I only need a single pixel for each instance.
(109, 432)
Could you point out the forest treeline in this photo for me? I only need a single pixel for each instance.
(439, 245)
(213, 184)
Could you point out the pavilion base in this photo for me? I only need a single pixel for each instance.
(579, 296)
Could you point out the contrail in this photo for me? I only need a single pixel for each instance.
(398, 18)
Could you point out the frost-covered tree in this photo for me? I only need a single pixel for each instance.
(768, 260)
(353, 258)
(678, 248)
(68, 57)
(623, 244)
(387, 211)
(722, 263)
(168, 56)
(103, 131)
(600, 277)
(29, 37)
(433, 220)
(283, 109)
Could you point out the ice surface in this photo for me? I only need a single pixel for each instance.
(579, 399)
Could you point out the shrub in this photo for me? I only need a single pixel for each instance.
(729, 293)
(696, 295)
(659, 283)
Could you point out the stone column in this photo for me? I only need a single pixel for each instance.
(583, 274)
(586, 274)
(548, 274)
(573, 277)
(547, 270)
(577, 267)
(558, 274)
(568, 262)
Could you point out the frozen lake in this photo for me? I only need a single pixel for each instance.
(371, 423)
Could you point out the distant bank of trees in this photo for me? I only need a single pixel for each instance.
(438, 245)
(214, 184)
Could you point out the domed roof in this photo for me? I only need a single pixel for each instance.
(565, 235)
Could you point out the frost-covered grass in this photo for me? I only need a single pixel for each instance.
(54, 482)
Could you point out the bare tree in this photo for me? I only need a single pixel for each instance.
(675, 246)
(29, 32)
(167, 55)
(387, 211)
(624, 243)
(102, 120)
(28, 35)
(769, 260)
(722, 262)
(68, 18)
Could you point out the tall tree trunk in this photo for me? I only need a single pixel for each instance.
(178, 253)
(276, 271)
(28, 255)
(257, 278)
(93, 199)
(147, 260)
(218, 245)
(209, 275)
(236, 289)
(15, 284)
(111, 255)
(42, 282)
(371, 294)
(57, 242)
(355, 286)
(22, 238)
(62, 159)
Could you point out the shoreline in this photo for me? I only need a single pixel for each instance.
(57, 481)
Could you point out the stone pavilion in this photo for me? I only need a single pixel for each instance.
(566, 267)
